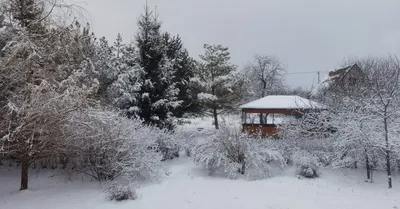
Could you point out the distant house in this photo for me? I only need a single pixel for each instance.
(343, 79)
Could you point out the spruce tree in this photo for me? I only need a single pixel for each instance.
(158, 93)
(184, 69)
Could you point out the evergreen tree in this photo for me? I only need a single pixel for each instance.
(118, 45)
(184, 68)
(125, 89)
(218, 80)
(158, 93)
(28, 13)
(185, 72)
(105, 63)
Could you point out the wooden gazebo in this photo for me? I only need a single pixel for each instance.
(265, 114)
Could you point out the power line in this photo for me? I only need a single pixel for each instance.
(306, 72)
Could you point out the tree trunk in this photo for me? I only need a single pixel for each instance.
(243, 170)
(367, 165)
(24, 175)
(215, 114)
(264, 87)
(388, 169)
(215, 117)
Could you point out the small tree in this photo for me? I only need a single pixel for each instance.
(217, 78)
(45, 76)
(35, 127)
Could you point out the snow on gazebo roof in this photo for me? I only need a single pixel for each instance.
(282, 102)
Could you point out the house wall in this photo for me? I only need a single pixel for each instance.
(352, 78)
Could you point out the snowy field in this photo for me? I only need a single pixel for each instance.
(188, 186)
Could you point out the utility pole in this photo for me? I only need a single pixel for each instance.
(318, 77)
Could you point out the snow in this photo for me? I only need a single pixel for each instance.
(206, 96)
(206, 122)
(189, 187)
(282, 102)
(324, 84)
(327, 81)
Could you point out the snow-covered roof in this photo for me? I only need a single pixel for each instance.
(330, 79)
(282, 102)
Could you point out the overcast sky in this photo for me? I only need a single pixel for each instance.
(307, 35)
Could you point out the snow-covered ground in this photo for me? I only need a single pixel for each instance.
(206, 122)
(188, 186)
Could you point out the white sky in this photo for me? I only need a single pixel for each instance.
(307, 35)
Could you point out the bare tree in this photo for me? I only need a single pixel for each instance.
(267, 75)
(365, 119)
(386, 106)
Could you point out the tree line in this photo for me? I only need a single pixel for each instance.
(71, 100)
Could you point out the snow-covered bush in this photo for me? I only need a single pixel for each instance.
(306, 164)
(106, 146)
(231, 152)
(119, 192)
(167, 144)
(189, 137)
(305, 135)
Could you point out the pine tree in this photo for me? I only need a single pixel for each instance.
(28, 13)
(184, 68)
(125, 89)
(105, 63)
(218, 80)
(158, 94)
(118, 45)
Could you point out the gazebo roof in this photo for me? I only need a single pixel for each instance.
(287, 102)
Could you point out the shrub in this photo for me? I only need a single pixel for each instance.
(306, 163)
(106, 145)
(167, 144)
(121, 193)
(189, 137)
(231, 152)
